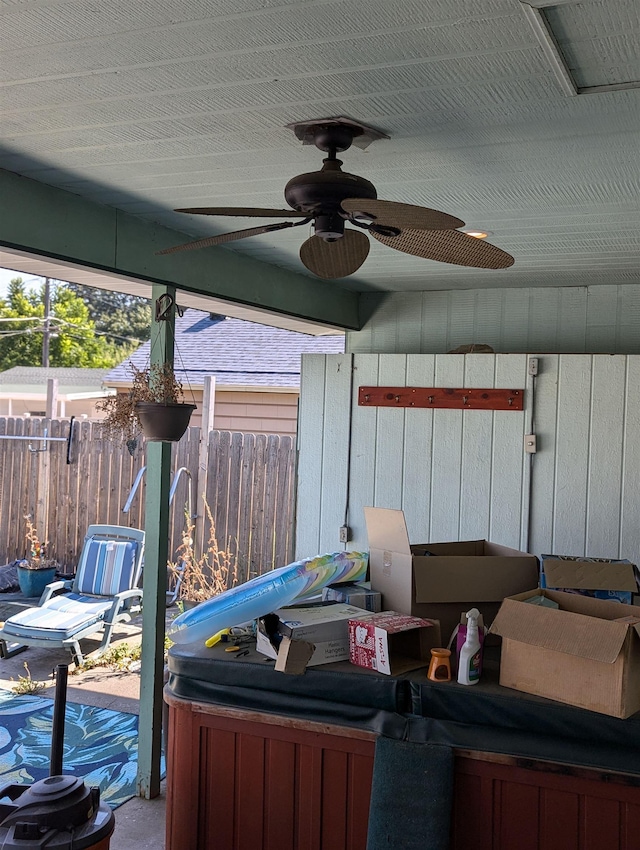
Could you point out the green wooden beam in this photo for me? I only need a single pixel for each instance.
(156, 525)
(51, 222)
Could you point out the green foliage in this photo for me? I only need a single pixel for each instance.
(118, 657)
(125, 319)
(73, 340)
(27, 685)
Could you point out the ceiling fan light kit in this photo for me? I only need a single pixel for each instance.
(332, 199)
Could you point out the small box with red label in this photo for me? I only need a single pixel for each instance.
(392, 643)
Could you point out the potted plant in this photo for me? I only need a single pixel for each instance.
(36, 571)
(154, 405)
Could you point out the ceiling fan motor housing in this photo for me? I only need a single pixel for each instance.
(320, 193)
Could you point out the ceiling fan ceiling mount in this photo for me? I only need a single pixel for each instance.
(332, 198)
(318, 132)
(334, 138)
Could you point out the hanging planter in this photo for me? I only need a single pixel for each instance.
(154, 405)
(162, 422)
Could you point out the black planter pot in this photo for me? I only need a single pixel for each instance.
(163, 422)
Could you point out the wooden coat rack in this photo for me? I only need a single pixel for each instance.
(442, 397)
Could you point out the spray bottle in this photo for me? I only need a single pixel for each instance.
(469, 660)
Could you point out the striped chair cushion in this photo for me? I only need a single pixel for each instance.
(59, 619)
(106, 567)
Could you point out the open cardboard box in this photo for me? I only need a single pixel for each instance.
(602, 578)
(392, 643)
(585, 653)
(454, 578)
(326, 626)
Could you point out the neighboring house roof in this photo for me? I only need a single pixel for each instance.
(31, 382)
(238, 353)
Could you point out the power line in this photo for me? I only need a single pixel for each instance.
(22, 319)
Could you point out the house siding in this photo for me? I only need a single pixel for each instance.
(544, 319)
(464, 474)
(256, 413)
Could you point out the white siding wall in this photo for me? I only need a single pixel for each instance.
(464, 475)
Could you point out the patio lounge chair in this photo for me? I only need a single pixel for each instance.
(103, 592)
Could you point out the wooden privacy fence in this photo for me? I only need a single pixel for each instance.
(247, 480)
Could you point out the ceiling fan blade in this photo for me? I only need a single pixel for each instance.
(222, 238)
(391, 214)
(256, 212)
(449, 246)
(331, 260)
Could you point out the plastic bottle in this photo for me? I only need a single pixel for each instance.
(469, 660)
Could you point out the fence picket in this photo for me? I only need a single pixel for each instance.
(247, 480)
(246, 506)
(270, 491)
(284, 542)
(257, 506)
(235, 489)
(222, 488)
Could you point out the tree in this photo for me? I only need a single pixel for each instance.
(73, 339)
(119, 316)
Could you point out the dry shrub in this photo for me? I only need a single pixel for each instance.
(215, 571)
(157, 383)
(36, 559)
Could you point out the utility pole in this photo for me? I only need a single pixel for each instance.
(47, 330)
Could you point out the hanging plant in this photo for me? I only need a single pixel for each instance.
(155, 403)
(154, 406)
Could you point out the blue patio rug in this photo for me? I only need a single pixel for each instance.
(100, 745)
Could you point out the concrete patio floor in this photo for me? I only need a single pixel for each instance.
(139, 823)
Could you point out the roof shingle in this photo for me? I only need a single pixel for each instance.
(236, 352)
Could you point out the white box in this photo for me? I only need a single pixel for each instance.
(325, 626)
(392, 643)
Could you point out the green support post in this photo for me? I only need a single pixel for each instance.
(156, 524)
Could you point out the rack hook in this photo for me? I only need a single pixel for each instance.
(164, 305)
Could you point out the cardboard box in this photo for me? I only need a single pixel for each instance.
(602, 578)
(353, 593)
(452, 579)
(585, 653)
(294, 656)
(325, 626)
(392, 643)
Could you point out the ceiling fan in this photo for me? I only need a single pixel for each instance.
(342, 206)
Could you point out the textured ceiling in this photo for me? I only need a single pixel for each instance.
(157, 104)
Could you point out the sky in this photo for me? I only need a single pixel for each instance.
(6, 275)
